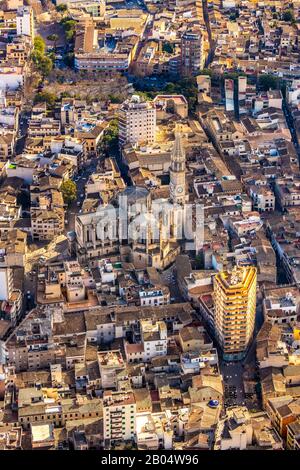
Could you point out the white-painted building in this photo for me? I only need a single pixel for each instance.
(154, 338)
(154, 297)
(6, 283)
(137, 121)
(119, 416)
(263, 198)
(153, 342)
(25, 22)
(11, 77)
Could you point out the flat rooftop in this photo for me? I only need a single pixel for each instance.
(110, 359)
(118, 398)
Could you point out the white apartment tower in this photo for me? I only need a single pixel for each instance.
(6, 283)
(25, 22)
(137, 121)
(119, 416)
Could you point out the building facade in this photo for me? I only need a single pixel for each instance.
(119, 416)
(137, 121)
(234, 310)
(192, 55)
(25, 22)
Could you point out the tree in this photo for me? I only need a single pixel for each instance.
(145, 95)
(206, 72)
(115, 98)
(69, 59)
(233, 75)
(39, 45)
(65, 94)
(43, 63)
(45, 97)
(186, 86)
(110, 140)
(288, 16)
(69, 27)
(36, 57)
(53, 38)
(69, 191)
(267, 82)
(168, 47)
(62, 8)
(45, 66)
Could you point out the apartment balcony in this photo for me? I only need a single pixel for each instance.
(116, 421)
(116, 414)
(117, 427)
(115, 435)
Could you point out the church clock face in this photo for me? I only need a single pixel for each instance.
(180, 189)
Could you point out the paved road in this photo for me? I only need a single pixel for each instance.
(76, 205)
(169, 277)
(23, 127)
(233, 371)
(212, 45)
(233, 382)
(291, 126)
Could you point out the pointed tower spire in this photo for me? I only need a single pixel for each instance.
(177, 170)
(178, 154)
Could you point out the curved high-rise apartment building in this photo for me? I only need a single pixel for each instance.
(234, 310)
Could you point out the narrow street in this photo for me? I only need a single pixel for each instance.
(76, 205)
(233, 383)
(169, 277)
(291, 126)
(23, 127)
(212, 45)
(233, 371)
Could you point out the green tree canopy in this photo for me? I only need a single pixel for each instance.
(267, 82)
(42, 62)
(39, 44)
(69, 191)
(186, 86)
(69, 27)
(110, 140)
(36, 56)
(45, 97)
(62, 8)
(206, 72)
(168, 47)
(288, 16)
(115, 98)
(145, 95)
(45, 66)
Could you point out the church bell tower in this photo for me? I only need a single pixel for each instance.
(177, 172)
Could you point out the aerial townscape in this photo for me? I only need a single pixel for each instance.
(150, 225)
